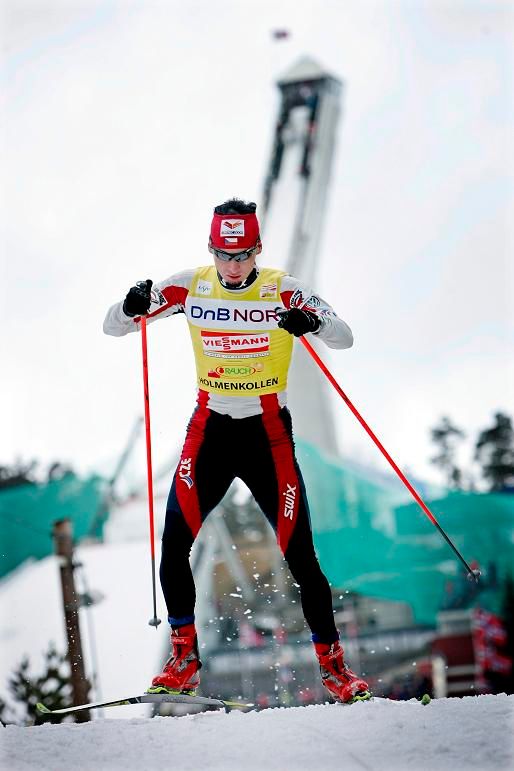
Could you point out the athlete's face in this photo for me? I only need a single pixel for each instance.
(232, 271)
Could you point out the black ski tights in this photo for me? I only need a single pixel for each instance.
(260, 451)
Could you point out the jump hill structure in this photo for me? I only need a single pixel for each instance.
(370, 535)
(292, 216)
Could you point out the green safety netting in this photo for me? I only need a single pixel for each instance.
(369, 536)
(28, 512)
(371, 539)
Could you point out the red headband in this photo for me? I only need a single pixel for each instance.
(234, 231)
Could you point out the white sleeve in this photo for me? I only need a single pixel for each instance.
(334, 332)
(168, 297)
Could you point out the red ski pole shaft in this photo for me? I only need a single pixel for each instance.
(399, 472)
(153, 621)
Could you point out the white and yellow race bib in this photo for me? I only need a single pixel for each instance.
(239, 349)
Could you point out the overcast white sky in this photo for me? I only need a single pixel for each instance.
(123, 123)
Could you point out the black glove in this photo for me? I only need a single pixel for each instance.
(137, 302)
(298, 322)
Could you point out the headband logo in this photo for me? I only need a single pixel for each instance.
(232, 228)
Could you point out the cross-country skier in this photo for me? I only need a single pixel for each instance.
(240, 427)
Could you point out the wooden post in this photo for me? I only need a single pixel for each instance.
(63, 542)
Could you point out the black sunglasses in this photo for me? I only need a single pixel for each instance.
(241, 257)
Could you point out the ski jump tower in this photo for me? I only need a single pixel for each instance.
(294, 204)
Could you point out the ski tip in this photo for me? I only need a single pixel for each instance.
(240, 704)
(42, 709)
(362, 696)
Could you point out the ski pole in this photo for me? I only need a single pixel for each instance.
(474, 574)
(153, 621)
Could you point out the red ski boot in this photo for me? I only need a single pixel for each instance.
(181, 672)
(343, 684)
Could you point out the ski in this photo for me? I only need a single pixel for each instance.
(364, 696)
(368, 696)
(423, 700)
(149, 698)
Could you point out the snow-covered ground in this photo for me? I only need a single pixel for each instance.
(474, 732)
(122, 652)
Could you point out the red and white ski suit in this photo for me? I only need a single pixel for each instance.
(241, 426)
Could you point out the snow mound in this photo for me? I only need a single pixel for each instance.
(473, 732)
